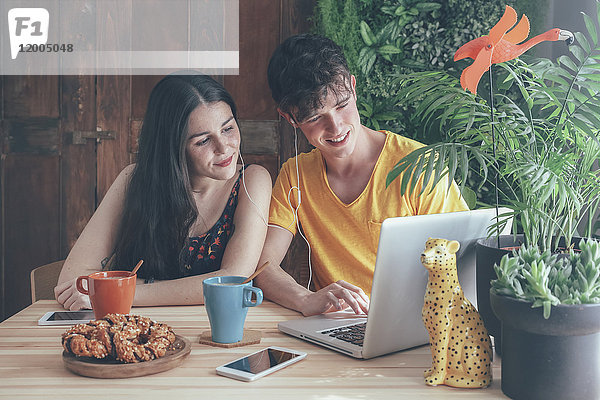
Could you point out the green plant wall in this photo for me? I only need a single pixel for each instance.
(384, 37)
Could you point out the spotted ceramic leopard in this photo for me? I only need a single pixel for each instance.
(460, 345)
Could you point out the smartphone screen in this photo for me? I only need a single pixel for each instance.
(261, 361)
(66, 317)
(71, 315)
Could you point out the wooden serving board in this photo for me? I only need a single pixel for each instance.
(102, 368)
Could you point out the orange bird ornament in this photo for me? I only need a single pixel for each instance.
(502, 45)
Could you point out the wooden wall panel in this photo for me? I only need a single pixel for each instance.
(113, 107)
(170, 34)
(113, 97)
(30, 191)
(27, 96)
(259, 35)
(81, 29)
(32, 135)
(141, 86)
(259, 137)
(294, 20)
(207, 32)
(33, 96)
(31, 222)
(266, 160)
(78, 164)
(260, 144)
(295, 17)
(78, 113)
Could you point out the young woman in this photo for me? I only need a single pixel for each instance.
(186, 207)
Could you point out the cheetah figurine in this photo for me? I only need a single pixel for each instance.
(460, 345)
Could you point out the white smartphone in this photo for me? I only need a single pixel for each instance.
(66, 317)
(260, 363)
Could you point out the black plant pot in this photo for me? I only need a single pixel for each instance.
(554, 358)
(488, 254)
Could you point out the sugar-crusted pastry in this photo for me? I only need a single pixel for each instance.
(126, 338)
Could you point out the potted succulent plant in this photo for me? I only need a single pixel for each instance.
(535, 136)
(550, 352)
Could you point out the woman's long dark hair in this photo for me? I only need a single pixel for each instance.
(159, 207)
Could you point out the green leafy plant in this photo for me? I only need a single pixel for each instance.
(546, 280)
(339, 21)
(422, 36)
(547, 119)
(390, 42)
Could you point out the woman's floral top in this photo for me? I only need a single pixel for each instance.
(205, 252)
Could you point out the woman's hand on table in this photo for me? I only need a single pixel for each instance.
(71, 299)
(336, 297)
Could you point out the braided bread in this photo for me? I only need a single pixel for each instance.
(125, 338)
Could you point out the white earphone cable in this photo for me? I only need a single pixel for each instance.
(295, 209)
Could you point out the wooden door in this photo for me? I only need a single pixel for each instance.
(64, 139)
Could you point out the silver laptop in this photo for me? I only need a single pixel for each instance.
(394, 321)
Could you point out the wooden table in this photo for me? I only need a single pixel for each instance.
(31, 365)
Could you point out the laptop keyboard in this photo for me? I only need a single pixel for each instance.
(354, 334)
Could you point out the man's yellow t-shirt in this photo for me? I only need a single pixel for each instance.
(344, 237)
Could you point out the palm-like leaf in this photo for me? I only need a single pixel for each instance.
(547, 120)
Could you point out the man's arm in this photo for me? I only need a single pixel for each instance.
(278, 286)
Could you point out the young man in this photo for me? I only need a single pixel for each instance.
(343, 198)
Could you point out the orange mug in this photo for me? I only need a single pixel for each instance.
(109, 291)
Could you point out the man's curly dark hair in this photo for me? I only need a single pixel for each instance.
(303, 70)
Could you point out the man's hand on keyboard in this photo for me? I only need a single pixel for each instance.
(335, 297)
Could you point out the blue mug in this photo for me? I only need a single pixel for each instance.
(227, 300)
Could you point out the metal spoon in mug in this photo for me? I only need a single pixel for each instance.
(258, 271)
(135, 270)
